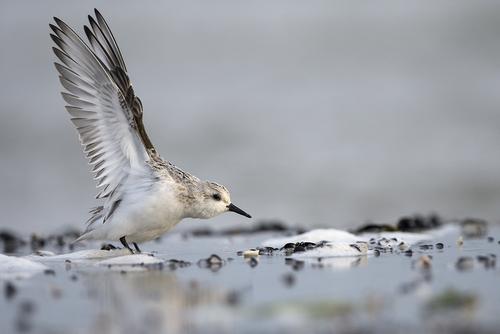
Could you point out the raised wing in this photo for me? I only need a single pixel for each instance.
(103, 106)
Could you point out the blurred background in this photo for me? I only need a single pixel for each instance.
(317, 113)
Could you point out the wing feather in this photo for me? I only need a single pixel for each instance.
(103, 108)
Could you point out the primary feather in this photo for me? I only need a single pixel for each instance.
(144, 196)
(104, 109)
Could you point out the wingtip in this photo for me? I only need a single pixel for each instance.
(87, 30)
(54, 38)
(53, 27)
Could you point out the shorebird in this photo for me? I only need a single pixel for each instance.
(143, 196)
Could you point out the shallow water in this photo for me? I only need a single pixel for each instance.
(387, 293)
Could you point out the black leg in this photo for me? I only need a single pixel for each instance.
(107, 247)
(125, 244)
(137, 248)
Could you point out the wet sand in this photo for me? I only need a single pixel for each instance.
(202, 283)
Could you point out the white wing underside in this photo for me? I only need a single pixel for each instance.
(102, 111)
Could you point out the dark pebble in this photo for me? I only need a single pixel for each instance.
(11, 242)
(299, 248)
(266, 250)
(409, 253)
(375, 228)
(439, 245)
(178, 263)
(426, 247)
(308, 245)
(383, 242)
(491, 239)
(488, 261)
(464, 263)
(322, 243)
(60, 241)
(74, 278)
(418, 223)
(239, 253)
(10, 290)
(213, 262)
(376, 252)
(215, 259)
(289, 245)
(49, 272)
(37, 242)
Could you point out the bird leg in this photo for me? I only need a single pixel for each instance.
(137, 248)
(125, 244)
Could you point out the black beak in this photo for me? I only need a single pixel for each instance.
(234, 208)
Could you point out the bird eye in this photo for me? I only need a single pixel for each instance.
(216, 197)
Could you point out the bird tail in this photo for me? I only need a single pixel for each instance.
(96, 215)
(86, 235)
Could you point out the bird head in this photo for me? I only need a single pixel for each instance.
(214, 200)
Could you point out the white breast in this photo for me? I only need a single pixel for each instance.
(145, 216)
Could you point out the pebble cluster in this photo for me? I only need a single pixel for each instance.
(415, 223)
(467, 263)
(174, 264)
(13, 243)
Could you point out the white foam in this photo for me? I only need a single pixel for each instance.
(13, 267)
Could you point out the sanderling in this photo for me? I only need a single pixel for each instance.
(143, 195)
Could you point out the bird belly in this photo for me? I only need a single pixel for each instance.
(146, 218)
